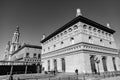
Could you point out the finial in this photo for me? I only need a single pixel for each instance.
(43, 36)
(17, 28)
(108, 25)
(78, 12)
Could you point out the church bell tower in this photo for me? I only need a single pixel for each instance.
(15, 42)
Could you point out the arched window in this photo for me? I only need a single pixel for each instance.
(55, 37)
(90, 28)
(52, 39)
(106, 33)
(84, 26)
(70, 29)
(61, 34)
(75, 27)
(109, 35)
(58, 35)
(34, 55)
(98, 31)
(94, 29)
(65, 32)
(27, 55)
(103, 32)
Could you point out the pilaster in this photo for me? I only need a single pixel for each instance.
(109, 63)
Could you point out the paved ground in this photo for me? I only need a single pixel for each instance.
(112, 78)
(60, 76)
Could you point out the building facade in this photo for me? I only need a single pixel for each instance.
(28, 53)
(80, 44)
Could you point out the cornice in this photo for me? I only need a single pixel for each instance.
(82, 47)
(75, 20)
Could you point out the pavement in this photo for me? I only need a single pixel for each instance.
(59, 76)
(112, 78)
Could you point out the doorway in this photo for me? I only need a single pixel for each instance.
(63, 64)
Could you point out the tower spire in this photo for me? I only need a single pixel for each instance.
(16, 35)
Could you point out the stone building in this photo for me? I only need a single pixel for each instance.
(80, 44)
(28, 53)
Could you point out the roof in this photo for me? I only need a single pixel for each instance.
(75, 20)
(27, 45)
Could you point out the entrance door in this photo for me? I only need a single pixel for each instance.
(104, 63)
(93, 67)
(48, 65)
(55, 64)
(63, 64)
(113, 59)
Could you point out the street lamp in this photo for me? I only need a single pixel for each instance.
(26, 68)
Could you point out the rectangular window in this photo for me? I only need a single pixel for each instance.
(39, 55)
(34, 55)
(27, 55)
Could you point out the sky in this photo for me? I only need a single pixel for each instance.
(36, 17)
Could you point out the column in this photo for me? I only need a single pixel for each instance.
(110, 63)
(117, 61)
(59, 65)
(87, 63)
(51, 64)
(101, 64)
(45, 65)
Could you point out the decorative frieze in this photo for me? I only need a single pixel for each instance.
(81, 46)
